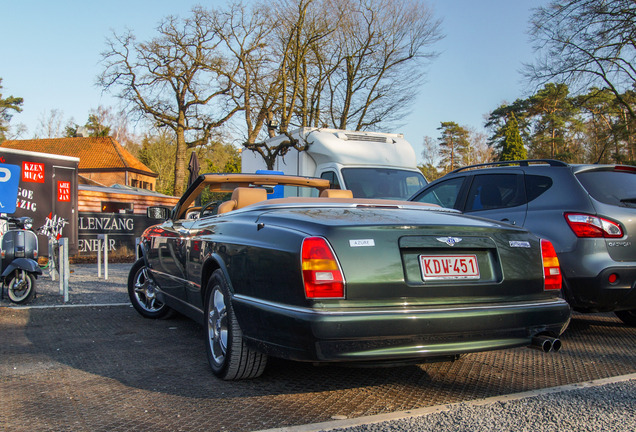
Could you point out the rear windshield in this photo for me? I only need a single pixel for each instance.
(610, 187)
(383, 183)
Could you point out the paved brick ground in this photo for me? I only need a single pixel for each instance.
(108, 369)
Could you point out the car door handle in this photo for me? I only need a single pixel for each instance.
(509, 221)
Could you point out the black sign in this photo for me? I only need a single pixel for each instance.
(47, 193)
(122, 230)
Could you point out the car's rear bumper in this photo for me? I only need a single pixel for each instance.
(395, 334)
(598, 294)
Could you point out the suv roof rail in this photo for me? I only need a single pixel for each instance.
(525, 162)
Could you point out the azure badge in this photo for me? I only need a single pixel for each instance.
(451, 241)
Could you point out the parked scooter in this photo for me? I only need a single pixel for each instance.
(18, 259)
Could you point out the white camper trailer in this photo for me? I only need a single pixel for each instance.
(370, 164)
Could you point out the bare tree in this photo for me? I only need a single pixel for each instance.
(430, 152)
(586, 43)
(479, 151)
(333, 63)
(245, 33)
(117, 124)
(50, 125)
(305, 26)
(382, 48)
(172, 79)
(430, 158)
(274, 48)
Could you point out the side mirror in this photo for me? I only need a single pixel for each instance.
(158, 212)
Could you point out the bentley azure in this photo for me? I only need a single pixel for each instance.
(283, 266)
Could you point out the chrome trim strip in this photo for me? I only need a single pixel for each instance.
(185, 282)
(248, 299)
(155, 272)
(347, 205)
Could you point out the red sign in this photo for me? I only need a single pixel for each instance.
(33, 172)
(64, 191)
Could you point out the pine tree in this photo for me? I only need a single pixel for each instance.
(7, 105)
(512, 146)
(454, 146)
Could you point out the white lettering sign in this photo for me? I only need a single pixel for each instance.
(362, 243)
(106, 223)
(92, 245)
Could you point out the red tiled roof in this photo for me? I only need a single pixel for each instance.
(94, 153)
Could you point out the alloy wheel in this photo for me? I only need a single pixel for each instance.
(146, 292)
(217, 326)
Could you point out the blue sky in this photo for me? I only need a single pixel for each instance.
(50, 56)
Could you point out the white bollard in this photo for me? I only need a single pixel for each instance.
(104, 238)
(105, 256)
(65, 271)
(60, 265)
(52, 264)
(99, 255)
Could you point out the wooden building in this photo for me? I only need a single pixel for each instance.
(117, 199)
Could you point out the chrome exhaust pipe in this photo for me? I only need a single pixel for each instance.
(541, 343)
(546, 343)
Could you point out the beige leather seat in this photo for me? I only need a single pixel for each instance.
(242, 197)
(336, 193)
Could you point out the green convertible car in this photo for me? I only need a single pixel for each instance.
(322, 277)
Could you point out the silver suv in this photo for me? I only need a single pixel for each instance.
(587, 211)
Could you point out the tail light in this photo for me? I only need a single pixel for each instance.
(588, 226)
(321, 272)
(551, 268)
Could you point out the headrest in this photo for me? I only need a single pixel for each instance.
(336, 193)
(245, 196)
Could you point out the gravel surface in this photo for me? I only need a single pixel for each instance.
(84, 287)
(610, 407)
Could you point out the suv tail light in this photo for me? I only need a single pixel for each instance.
(588, 226)
(551, 269)
(322, 276)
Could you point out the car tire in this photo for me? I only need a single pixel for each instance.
(21, 287)
(628, 317)
(229, 357)
(142, 292)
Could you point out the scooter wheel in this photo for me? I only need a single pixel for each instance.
(21, 287)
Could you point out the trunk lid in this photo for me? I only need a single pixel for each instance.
(402, 257)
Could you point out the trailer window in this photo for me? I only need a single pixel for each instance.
(333, 179)
(382, 183)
